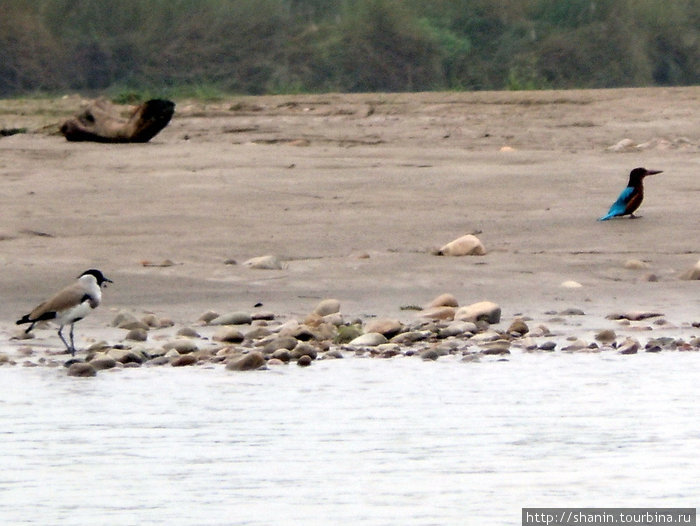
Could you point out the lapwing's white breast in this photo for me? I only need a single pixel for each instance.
(91, 296)
(73, 314)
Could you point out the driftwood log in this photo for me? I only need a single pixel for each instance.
(102, 121)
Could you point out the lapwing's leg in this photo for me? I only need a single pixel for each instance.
(60, 335)
(72, 342)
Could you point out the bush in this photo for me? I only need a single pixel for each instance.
(274, 46)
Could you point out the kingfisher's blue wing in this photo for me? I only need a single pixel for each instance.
(618, 207)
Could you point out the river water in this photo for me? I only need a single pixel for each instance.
(352, 441)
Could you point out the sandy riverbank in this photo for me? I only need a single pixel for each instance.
(353, 192)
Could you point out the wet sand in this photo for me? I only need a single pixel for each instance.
(353, 193)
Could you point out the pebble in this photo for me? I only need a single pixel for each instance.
(137, 335)
(387, 327)
(443, 300)
(411, 337)
(622, 146)
(496, 350)
(181, 346)
(636, 264)
(263, 316)
(232, 318)
(334, 318)
(21, 334)
(303, 348)
(279, 342)
(248, 362)
(304, 361)
(208, 316)
(572, 312)
(570, 284)
(633, 315)
(228, 335)
(692, 273)
(81, 369)
(187, 332)
(629, 346)
(468, 245)
(486, 336)
(457, 328)
(429, 354)
(158, 360)
(347, 333)
(284, 355)
(575, 345)
(125, 356)
(151, 320)
(103, 361)
(257, 333)
(439, 313)
(327, 307)
(123, 318)
(184, 360)
(370, 339)
(388, 350)
(302, 333)
(518, 327)
(529, 344)
(483, 310)
(606, 336)
(268, 262)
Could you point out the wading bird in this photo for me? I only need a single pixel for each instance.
(69, 305)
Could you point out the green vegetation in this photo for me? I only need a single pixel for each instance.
(132, 49)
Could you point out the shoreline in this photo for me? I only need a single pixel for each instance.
(262, 340)
(353, 194)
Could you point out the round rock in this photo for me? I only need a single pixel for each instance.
(304, 361)
(268, 262)
(483, 310)
(280, 342)
(184, 360)
(438, 313)
(606, 336)
(518, 327)
(370, 339)
(387, 327)
(188, 332)
(228, 335)
(81, 369)
(181, 346)
(248, 362)
(635, 264)
(137, 335)
(102, 362)
(443, 300)
(327, 306)
(232, 318)
(468, 245)
(302, 349)
(692, 273)
(629, 346)
(208, 316)
(347, 333)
